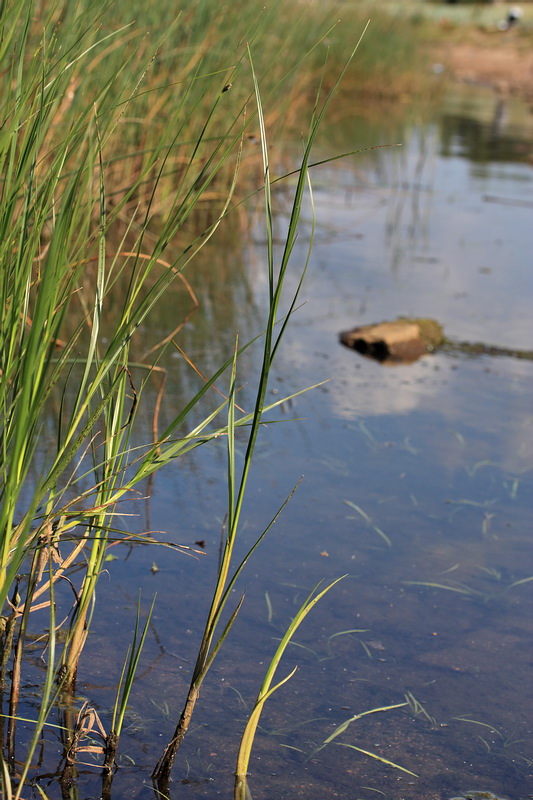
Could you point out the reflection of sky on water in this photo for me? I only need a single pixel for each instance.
(443, 252)
(423, 241)
(436, 454)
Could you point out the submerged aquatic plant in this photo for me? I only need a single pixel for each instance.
(343, 727)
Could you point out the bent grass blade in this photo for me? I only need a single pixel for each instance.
(378, 758)
(368, 521)
(459, 588)
(346, 724)
(520, 582)
(267, 690)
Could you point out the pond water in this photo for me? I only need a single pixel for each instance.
(417, 485)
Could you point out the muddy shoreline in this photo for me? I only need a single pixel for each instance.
(501, 61)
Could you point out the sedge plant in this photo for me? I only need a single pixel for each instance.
(226, 578)
(82, 223)
(63, 250)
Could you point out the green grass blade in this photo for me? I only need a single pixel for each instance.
(378, 758)
(267, 690)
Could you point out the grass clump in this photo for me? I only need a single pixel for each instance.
(121, 151)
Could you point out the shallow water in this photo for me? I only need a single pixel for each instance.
(417, 485)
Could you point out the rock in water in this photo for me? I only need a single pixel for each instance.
(398, 342)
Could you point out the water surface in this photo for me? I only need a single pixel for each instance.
(417, 485)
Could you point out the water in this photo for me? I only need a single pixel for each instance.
(417, 485)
